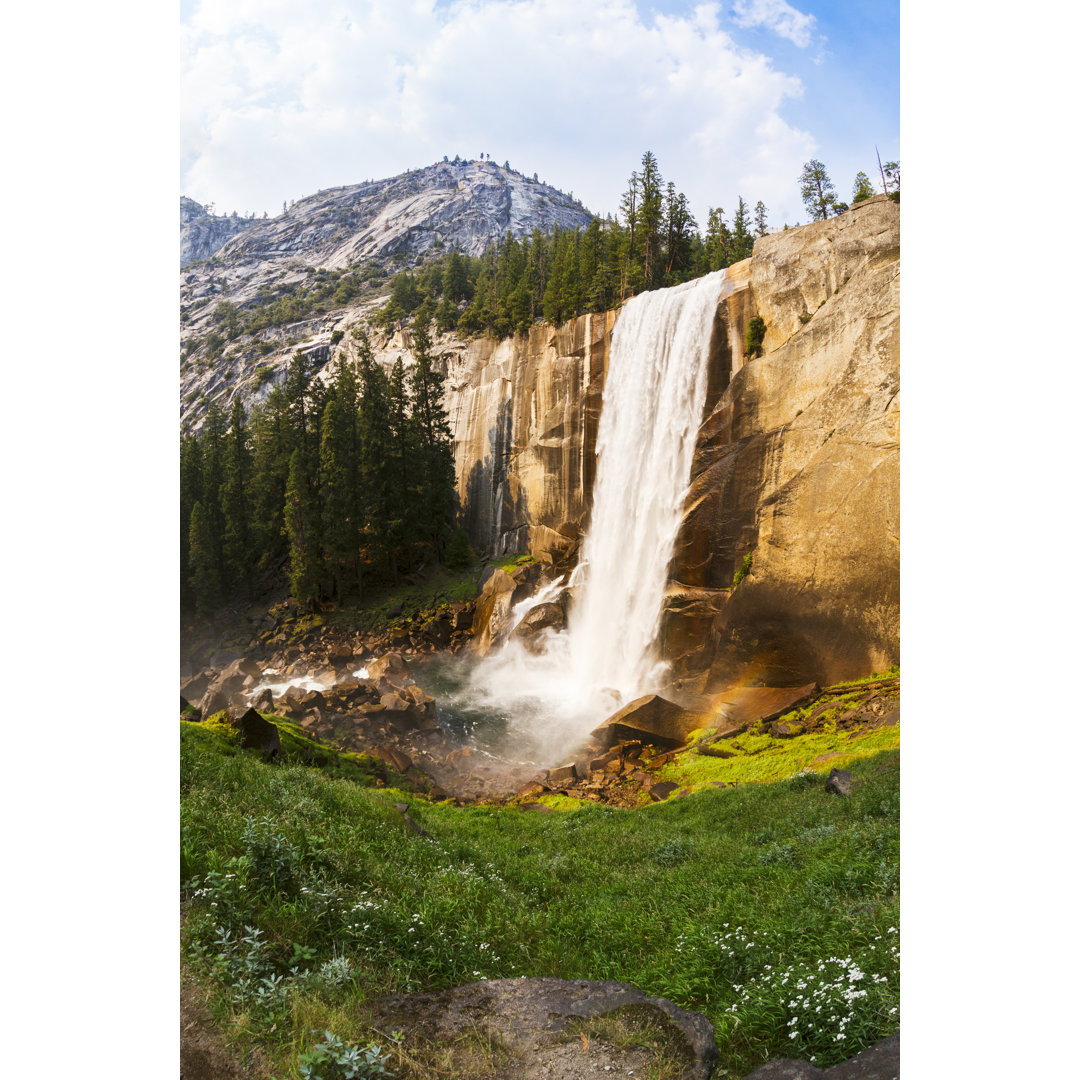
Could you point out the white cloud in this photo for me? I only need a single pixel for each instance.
(778, 16)
(280, 99)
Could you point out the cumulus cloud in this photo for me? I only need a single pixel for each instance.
(281, 99)
(778, 16)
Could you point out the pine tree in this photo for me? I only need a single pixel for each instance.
(861, 189)
(717, 241)
(434, 448)
(374, 457)
(817, 191)
(630, 209)
(680, 229)
(742, 242)
(190, 494)
(274, 443)
(339, 484)
(760, 224)
(300, 525)
(204, 563)
(651, 216)
(236, 544)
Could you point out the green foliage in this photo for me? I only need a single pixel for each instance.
(862, 188)
(817, 191)
(763, 886)
(743, 569)
(755, 336)
(335, 1059)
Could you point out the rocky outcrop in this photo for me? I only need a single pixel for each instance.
(203, 233)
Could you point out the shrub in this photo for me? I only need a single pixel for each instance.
(755, 335)
(743, 568)
(335, 1059)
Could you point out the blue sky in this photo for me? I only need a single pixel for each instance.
(280, 99)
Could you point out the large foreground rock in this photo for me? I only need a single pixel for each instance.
(653, 720)
(534, 1020)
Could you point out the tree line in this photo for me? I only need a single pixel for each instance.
(654, 242)
(331, 483)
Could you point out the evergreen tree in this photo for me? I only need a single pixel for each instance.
(274, 443)
(236, 544)
(760, 224)
(742, 242)
(717, 241)
(400, 527)
(379, 501)
(339, 483)
(630, 209)
(862, 188)
(204, 563)
(434, 448)
(680, 229)
(817, 191)
(300, 525)
(212, 445)
(651, 216)
(190, 494)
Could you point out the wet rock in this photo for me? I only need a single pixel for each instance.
(538, 807)
(564, 774)
(542, 617)
(839, 782)
(390, 666)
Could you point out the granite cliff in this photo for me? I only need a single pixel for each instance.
(795, 482)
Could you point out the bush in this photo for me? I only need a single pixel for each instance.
(755, 335)
(743, 569)
(335, 1059)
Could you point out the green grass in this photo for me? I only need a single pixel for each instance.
(306, 895)
(390, 606)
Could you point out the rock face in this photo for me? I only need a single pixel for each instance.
(797, 468)
(385, 225)
(524, 412)
(202, 233)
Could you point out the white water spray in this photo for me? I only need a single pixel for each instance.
(653, 399)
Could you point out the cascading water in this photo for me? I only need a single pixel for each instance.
(607, 656)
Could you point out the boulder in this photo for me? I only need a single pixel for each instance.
(390, 666)
(839, 782)
(529, 1018)
(650, 719)
(258, 734)
(264, 701)
(195, 687)
(492, 612)
(542, 617)
(660, 792)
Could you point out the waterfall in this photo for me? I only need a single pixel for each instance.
(653, 399)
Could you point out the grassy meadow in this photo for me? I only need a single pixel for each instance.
(771, 907)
